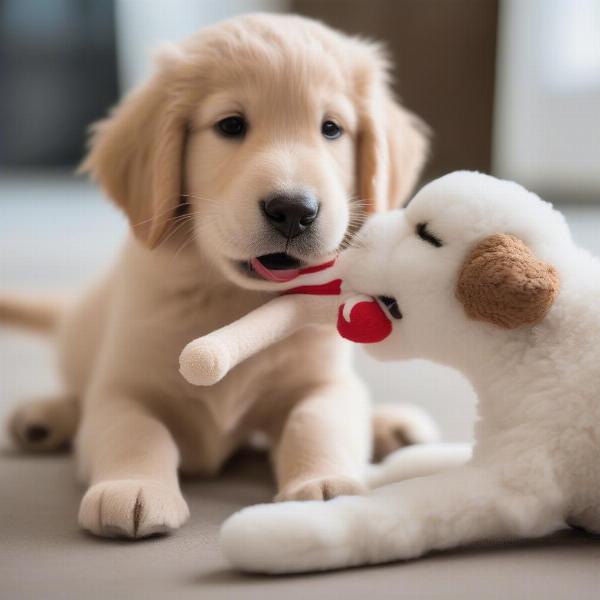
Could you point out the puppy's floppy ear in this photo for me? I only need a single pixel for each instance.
(136, 156)
(392, 145)
(503, 283)
(407, 142)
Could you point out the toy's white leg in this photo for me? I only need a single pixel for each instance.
(418, 461)
(325, 443)
(396, 522)
(208, 359)
(131, 459)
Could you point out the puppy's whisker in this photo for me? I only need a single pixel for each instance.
(175, 219)
(190, 238)
(161, 213)
(171, 210)
(171, 234)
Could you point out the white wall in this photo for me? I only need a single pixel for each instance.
(547, 125)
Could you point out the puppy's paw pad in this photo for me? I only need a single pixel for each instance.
(132, 508)
(322, 488)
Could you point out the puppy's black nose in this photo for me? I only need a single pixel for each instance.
(291, 214)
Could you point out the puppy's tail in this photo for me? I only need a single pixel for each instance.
(40, 315)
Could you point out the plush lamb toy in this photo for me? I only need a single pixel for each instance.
(486, 278)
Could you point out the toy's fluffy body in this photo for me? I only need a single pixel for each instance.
(536, 460)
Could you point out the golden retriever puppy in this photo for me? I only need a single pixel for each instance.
(258, 142)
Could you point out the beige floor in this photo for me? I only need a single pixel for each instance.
(55, 234)
(44, 556)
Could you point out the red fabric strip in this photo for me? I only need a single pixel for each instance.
(317, 268)
(331, 288)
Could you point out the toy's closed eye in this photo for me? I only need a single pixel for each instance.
(426, 235)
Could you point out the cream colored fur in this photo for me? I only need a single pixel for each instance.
(534, 366)
(193, 202)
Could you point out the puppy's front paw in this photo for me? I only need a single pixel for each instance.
(321, 488)
(203, 362)
(132, 508)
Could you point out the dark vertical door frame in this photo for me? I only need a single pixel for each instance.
(444, 53)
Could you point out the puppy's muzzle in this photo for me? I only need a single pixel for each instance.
(291, 214)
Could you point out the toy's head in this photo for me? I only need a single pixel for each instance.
(470, 254)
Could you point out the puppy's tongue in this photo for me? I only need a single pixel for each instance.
(277, 275)
(283, 275)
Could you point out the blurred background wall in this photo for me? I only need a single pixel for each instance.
(547, 106)
(444, 58)
(58, 65)
(507, 86)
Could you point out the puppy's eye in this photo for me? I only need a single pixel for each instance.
(331, 130)
(232, 127)
(426, 235)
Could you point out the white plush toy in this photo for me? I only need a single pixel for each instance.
(486, 278)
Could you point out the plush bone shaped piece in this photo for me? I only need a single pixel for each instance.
(489, 281)
(313, 299)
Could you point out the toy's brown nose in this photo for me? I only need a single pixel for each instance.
(291, 214)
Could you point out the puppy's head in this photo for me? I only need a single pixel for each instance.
(469, 252)
(267, 137)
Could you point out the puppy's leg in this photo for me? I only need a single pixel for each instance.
(325, 444)
(131, 460)
(399, 425)
(45, 425)
(396, 522)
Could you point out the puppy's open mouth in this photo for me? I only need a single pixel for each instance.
(278, 267)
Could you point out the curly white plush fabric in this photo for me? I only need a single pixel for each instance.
(535, 464)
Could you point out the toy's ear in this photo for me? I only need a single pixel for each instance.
(136, 156)
(503, 283)
(392, 147)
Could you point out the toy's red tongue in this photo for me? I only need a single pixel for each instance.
(283, 275)
(368, 324)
